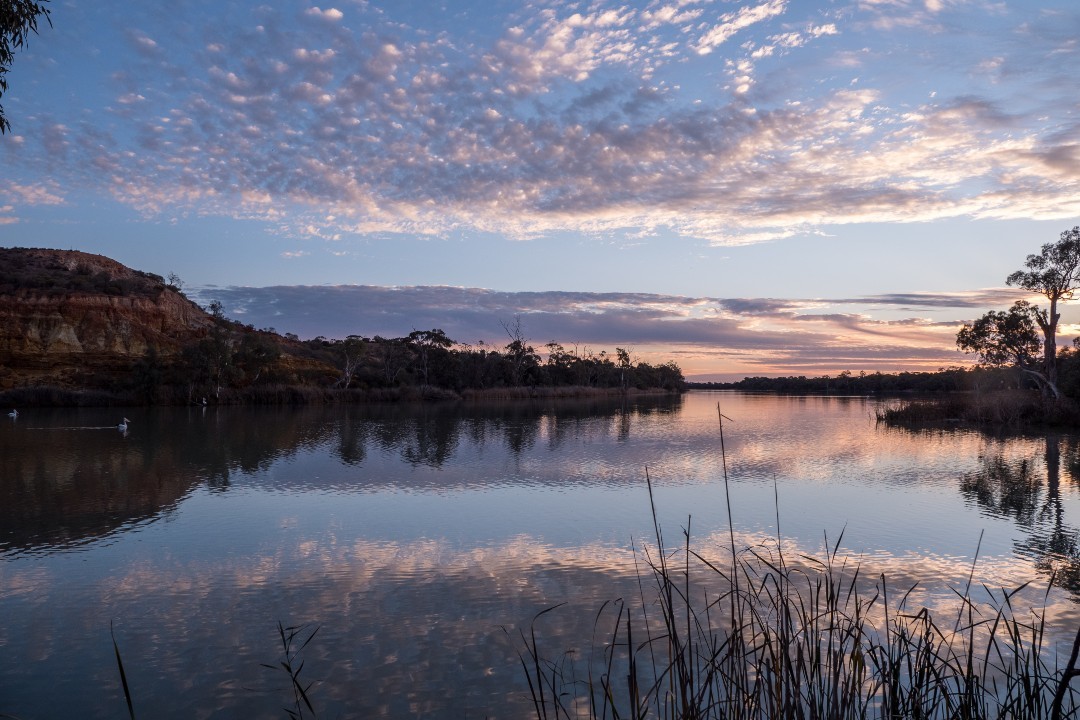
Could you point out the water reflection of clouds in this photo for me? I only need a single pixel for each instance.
(524, 566)
(404, 619)
(22, 583)
(416, 620)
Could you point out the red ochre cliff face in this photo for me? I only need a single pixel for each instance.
(72, 319)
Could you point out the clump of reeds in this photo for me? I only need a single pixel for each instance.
(766, 637)
(274, 394)
(999, 407)
(807, 640)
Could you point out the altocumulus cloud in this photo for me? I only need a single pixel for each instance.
(734, 336)
(733, 122)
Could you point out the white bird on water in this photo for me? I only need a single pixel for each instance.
(13, 414)
(122, 427)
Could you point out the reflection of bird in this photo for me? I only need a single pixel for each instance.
(122, 427)
(13, 414)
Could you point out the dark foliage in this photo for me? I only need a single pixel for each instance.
(428, 358)
(26, 273)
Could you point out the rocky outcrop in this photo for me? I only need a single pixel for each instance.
(73, 319)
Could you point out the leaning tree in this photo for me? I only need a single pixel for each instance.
(1054, 273)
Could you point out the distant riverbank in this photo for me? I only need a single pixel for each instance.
(47, 396)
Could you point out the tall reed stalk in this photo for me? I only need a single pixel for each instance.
(291, 663)
(764, 636)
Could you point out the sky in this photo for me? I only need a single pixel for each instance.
(747, 187)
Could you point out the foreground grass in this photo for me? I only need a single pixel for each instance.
(767, 637)
(799, 641)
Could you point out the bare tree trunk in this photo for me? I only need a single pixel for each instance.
(1049, 328)
(1044, 383)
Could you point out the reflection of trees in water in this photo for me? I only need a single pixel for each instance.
(1054, 543)
(216, 444)
(432, 434)
(351, 448)
(420, 434)
(62, 487)
(433, 440)
(1029, 492)
(1005, 488)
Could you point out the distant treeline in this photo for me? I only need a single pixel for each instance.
(953, 379)
(234, 361)
(429, 357)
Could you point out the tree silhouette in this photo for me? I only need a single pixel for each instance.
(1055, 274)
(427, 343)
(1006, 338)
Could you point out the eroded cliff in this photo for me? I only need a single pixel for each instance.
(73, 319)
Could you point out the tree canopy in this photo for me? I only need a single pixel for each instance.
(1005, 338)
(18, 19)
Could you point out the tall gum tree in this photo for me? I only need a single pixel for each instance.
(1055, 274)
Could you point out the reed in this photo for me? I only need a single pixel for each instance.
(123, 675)
(765, 636)
(800, 640)
(291, 664)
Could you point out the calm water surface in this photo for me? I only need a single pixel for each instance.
(412, 535)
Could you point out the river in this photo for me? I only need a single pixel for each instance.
(419, 539)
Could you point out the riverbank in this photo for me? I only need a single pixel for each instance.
(49, 396)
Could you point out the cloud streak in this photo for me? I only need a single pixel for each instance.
(722, 337)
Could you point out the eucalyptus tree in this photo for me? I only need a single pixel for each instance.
(392, 355)
(521, 355)
(1055, 274)
(429, 344)
(353, 351)
(626, 366)
(1001, 339)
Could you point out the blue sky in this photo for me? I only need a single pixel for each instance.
(749, 187)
